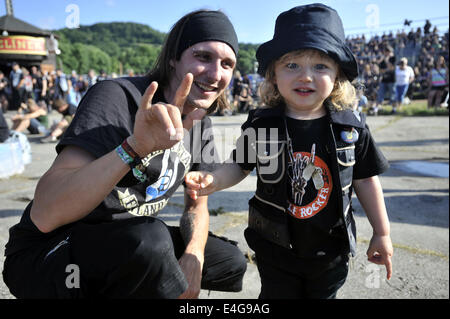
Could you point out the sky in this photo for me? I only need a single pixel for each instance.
(254, 20)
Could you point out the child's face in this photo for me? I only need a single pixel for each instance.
(305, 79)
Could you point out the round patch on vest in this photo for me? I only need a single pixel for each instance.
(350, 136)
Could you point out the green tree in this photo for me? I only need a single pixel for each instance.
(246, 60)
(82, 58)
(140, 57)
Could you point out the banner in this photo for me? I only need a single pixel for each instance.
(22, 45)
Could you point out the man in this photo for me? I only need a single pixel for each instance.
(17, 84)
(61, 85)
(4, 130)
(103, 76)
(39, 84)
(118, 164)
(91, 78)
(67, 110)
(386, 84)
(32, 117)
(4, 92)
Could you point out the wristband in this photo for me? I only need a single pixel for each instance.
(134, 162)
(129, 149)
(137, 162)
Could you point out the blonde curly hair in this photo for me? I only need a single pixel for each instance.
(342, 97)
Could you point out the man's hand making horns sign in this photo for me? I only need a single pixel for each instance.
(160, 126)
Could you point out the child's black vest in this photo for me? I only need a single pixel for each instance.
(271, 156)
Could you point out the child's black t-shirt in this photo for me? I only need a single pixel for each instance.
(316, 228)
(314, 222)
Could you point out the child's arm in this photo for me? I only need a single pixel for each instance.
(200, 183)
(370, 195)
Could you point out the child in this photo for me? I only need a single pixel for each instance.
(310, 149)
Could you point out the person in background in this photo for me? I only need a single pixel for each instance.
(387, 81)
(81, 87)
(5, 91)
(61, 85)
(16, 81)
(67, 110)
(4, 130)
(91, 78)
(28, 85)
(236, 89)
(31, 117)
(361, 101)
(437, 82)
(404, 76)
(39, 84)
(103, 76)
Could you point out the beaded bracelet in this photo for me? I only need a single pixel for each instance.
(132, 161)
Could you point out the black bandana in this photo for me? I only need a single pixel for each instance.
(207, 26)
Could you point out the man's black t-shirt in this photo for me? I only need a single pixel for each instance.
(38, 81)
(71, 110)
(104, 119)
(388, 76)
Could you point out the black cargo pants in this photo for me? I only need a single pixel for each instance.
(130, 258)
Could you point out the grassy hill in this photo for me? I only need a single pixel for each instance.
(112, 47)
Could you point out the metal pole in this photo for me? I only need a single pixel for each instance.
(9, 8)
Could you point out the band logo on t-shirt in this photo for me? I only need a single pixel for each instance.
(310, 184)
(174, 163)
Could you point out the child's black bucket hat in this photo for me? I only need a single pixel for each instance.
(313, 26)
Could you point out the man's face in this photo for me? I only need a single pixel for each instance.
(212, 64)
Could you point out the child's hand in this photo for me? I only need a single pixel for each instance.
(380, 252)
(199, 184)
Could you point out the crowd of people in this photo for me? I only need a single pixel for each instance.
(393, 69)
(46, 87)
(426, 53)
(33, 94)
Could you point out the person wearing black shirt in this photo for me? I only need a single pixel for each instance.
(386, 84)
(4, 129)
(310, 150)
(91, 229)
(67, 110)
(4, 92)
